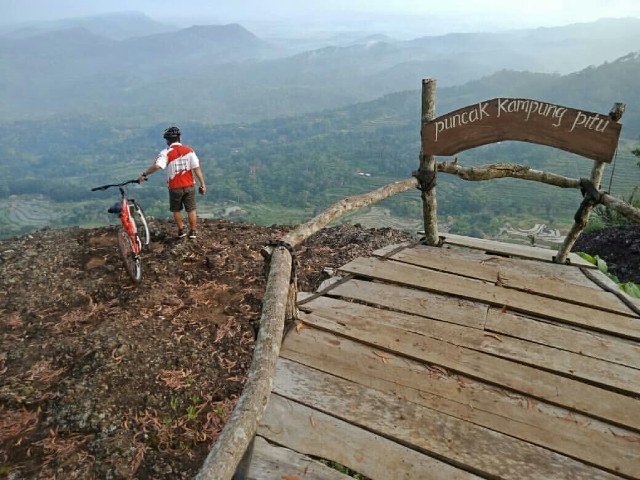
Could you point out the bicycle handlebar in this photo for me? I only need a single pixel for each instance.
(104, 187)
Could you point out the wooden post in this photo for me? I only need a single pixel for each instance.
(427, 172)
(242, 425)
(582, 218)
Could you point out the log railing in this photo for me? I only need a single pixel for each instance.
(504, 170)
(238, 432)
(521, 120)
(232, 448)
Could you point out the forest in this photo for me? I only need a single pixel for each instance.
(287, 169)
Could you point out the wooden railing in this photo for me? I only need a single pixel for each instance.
(504, 170)
(596, 137)
(279, 304)
(279, 298)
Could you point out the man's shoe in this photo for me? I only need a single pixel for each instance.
(192, 234)
(181, 233)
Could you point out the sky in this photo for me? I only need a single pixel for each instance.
(444, 15)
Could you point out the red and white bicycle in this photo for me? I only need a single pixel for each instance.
(133, 234)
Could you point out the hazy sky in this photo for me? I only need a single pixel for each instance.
(456, 14)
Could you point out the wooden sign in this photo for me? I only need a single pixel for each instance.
(591, 135)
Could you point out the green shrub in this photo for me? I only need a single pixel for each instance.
(630, 288)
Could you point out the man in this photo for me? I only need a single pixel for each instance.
(181, 163)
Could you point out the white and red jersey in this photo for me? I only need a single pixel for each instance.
(179, 160)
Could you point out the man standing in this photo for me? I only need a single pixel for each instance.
(181, 163)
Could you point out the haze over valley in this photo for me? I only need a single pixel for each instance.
(287, 113)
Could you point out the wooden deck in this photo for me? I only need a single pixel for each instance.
(452, 363)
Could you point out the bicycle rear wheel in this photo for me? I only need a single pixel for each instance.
(131, 261)
(141, 222)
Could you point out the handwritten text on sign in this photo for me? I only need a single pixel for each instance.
(589, 134)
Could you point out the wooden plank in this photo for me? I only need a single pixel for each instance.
(512, 249)
(591, 344)
(461, 443)
(434, 259)
(560, 289)
(521, 265)
(593, 370)
(555, 287)
(418, 302)
(592, 135)
(552, 427)
(572, 394)
(515, 300)
(316, 433)
(270, 462)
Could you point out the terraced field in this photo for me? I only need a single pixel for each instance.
(18, 215)
(377, 217)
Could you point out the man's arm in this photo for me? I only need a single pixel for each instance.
(200, 176)
(147, 172)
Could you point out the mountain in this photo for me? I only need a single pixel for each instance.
(593, 88)
(224, 73)
(73, 43)
(562, 49)
(212, 44)
(115, 26)
(76, 70)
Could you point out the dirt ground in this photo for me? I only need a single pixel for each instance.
(618, 246)
(103, 379)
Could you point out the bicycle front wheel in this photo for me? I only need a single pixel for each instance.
(131, 261)
(141, 223)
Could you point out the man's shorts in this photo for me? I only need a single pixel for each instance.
(182, 197)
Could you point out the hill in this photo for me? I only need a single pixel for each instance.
(103, 379)
(115, 26)
(224, 73)
(282, 170)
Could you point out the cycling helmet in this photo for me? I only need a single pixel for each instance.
(171, 132)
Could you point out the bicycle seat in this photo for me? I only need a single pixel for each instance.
(116, 208)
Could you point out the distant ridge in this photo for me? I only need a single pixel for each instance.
(115, 26)
(201, 38)
(225, 73)
(68, 41)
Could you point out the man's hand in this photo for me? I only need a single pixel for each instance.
(202, 189)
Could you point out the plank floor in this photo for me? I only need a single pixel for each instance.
(450, 363)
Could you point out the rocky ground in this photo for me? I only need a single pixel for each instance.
(103, 379)
(618, 246)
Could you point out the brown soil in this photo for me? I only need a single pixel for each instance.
(618, 246)
(103, 379)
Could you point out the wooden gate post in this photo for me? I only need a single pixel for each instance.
(427, 172)
(582, 217)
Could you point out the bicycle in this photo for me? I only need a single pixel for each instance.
(133, 223)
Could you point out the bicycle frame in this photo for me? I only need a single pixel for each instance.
(130, 244)
(128, 224)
